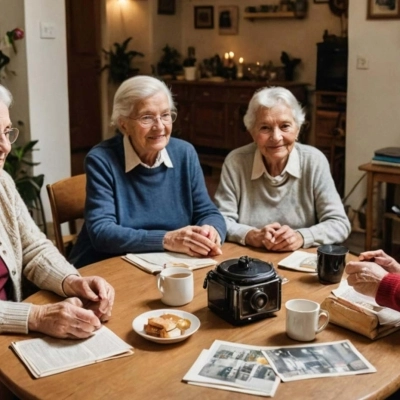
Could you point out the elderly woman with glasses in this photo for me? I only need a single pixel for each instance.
(277, 193)
(145, 190)
(27, 256)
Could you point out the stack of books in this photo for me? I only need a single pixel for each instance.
(389, 156)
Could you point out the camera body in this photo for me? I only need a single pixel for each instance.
(243, 301)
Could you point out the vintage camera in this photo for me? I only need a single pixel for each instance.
(243, 290)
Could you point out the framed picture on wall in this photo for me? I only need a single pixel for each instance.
(204, 17)
(383, 9)
(166, 7)
(321, 1)
(228, 20)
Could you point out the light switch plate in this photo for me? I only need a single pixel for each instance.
(47, 30)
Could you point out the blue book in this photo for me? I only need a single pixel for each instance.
(387, 159)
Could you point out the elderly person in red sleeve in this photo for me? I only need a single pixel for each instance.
(377, 275)
(26, 255)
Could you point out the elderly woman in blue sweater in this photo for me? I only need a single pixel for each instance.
(277, 193)
(145, 190)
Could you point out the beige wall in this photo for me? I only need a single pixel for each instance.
(40, 86)
(373, 119)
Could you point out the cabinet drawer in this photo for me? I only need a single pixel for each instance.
(180, 92)
(331, 100)
(210, 93)
(240, 95)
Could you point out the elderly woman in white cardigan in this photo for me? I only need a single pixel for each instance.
(277, 193)
(26, 255)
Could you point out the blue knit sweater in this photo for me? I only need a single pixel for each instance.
(131, 212)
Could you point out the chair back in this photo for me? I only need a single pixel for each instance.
(67, 201)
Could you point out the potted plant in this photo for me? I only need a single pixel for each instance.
(18, 165)
(120, 62)
(169, 63)
(189, 65)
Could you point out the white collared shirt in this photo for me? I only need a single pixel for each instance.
(292, 168)
(132, 159)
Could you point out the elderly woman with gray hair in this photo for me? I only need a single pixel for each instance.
(26, 255)
(277, 193)
(145, 190)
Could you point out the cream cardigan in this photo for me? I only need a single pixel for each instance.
(28, 254)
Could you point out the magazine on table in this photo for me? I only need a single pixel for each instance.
(155, 262)
(258, 370)
(48, 356)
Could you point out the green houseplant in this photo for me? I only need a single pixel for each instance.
(19, 165)
(169, 63)
(120, 62)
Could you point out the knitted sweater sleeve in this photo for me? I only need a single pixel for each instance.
(388, 294)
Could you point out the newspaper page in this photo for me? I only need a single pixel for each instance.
(386, 316)
(155, 262)
(234, 367)
(317, 361)
(48, 356)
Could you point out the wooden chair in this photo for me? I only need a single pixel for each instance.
(67, 200)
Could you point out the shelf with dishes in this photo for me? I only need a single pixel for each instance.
(264, 15)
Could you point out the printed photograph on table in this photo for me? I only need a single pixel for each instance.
(166, 7)
(204, 17)
(228, 20)
(318, 360)
(383, 9)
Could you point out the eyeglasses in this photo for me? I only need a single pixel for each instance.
(11, 134)
(147, 120)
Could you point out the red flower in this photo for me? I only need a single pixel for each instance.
(18, 34)
(15, 34)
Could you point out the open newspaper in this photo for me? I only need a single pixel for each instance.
(258, 370)
(155, 262)
(48, 356)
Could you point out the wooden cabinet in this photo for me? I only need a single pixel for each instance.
(210, 114)
(330, 132)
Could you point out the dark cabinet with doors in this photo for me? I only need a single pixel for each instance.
(210, 114)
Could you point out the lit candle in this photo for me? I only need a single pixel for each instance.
(231, 55)
(226, 59)
(240, 68)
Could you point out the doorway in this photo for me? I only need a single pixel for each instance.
(83, 24)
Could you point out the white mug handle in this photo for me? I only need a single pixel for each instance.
(322, 313)
(160, 280)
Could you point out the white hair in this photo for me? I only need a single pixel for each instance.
(270, 97)
(5, 96)
(135, 89)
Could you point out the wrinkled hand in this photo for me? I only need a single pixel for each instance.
(196, 241)
(65, 320)
(96, 293)
(275, 237)
(365, 276)
(382, 259)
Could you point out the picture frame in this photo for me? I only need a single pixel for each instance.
(204, 17)
(228, 20)
(383, 9)
(321, 1)
(166, 7)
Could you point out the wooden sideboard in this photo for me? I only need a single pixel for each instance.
(210, 114)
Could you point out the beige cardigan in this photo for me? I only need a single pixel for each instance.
(28, 254)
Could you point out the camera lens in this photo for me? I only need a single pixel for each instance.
(258, 300)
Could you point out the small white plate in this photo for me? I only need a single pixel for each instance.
(139, 322)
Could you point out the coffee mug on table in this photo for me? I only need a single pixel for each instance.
(303, 319)
(331, 260)
(176, 285)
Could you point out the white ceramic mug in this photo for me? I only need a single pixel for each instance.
(303, 319)
(176, 285)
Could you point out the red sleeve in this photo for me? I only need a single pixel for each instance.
(388, 294)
